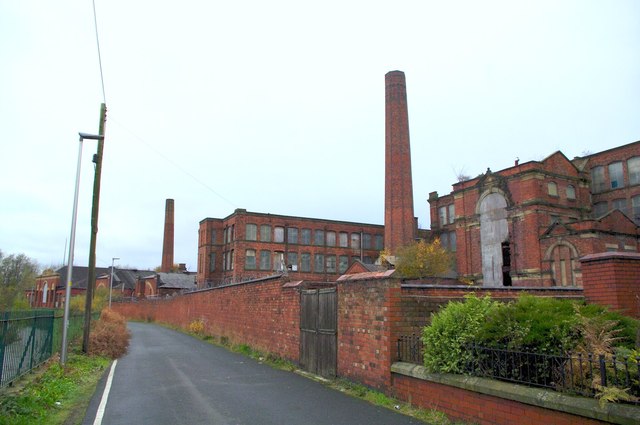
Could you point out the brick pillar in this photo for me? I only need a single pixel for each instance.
(612, 279)
(368, 314)
(167, 245)
(399, 229)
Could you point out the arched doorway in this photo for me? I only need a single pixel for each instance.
(494, 240)
(562, 257)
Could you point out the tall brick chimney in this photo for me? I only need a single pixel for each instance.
(399, 227)
(167, 244)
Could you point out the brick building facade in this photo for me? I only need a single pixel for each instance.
(249, 245)
(529, 224)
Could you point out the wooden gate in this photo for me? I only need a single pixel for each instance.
(318, 331)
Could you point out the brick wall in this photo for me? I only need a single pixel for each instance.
(477, 408)
(613, 279)
(366, 344)
(263, 314)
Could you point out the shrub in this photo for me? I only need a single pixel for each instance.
(99, 302)
(109, 335)
(197, 327)
(537, 324)
(423, 259)
(451, 329)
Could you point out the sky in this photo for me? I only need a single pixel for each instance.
(278, 107)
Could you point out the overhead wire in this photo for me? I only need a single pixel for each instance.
(170, 161)
(166, 158)
(95, 22)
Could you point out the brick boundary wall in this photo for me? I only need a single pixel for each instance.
(367, 311)
(612, 279)
(478, 408)
(372, 314)
(263, 314)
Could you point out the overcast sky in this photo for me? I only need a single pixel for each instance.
(278, 107)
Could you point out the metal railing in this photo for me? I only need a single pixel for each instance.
(29, 338)
(579, 373)
(410, 349)
(582, 374)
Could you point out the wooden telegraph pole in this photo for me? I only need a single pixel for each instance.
(91, 281)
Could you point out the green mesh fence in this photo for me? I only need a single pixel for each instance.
(29, 338)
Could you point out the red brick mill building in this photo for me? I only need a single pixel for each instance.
(555, 228)
(249, 245)
(530, 224)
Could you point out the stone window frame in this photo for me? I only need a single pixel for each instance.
(633, 170)
(265, 259)
(212, 262)
(331, 264)
(331, 238)
(343, 241)
(305, 262)
(318, 263)
(616, 176)
(248, 264)
(251, 232)
(305, 236)
(598, 179)
(265, 232)
(278, 234)
(292, 235)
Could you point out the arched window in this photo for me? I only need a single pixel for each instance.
(45, 293)
(493, 232)
(563, 257)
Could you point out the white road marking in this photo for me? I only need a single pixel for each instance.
(105, 395)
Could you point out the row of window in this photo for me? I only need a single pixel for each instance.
(570, 190)
(448, 240)
(446, 214)
(630, 208)
(599, 182)
(266, 260)
(318, 237)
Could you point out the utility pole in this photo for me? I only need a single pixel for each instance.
(91, 281)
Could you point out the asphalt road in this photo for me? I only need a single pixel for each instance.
(171, 378)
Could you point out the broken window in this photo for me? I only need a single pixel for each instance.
(597, 179)
(615, 175)
(633, 168)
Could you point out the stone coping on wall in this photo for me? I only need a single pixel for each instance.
(471, 288)
(611, 255)
(546, 399)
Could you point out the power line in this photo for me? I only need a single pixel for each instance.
(95, 22)
(170, 161)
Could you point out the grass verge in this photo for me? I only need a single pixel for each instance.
(55, 395)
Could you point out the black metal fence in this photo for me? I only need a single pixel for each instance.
(582, 374)
(410, 349)
(29, 338)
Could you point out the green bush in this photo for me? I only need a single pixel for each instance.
(531, 324)
(537, 324)
(451, 329)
